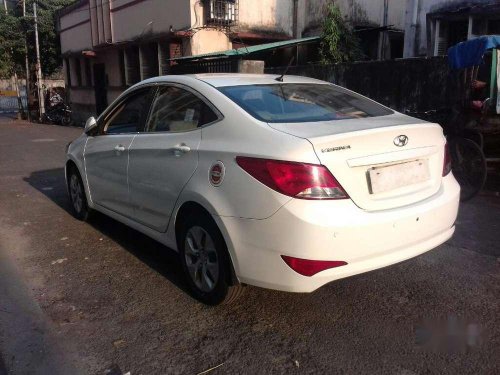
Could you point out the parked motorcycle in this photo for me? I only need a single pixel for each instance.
(59, 114)
(57, 111)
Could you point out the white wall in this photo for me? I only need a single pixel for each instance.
(359, 12)
(76, 38)
(266, 15)
(111, 58)
(150, 17)
(416, 35)
(274, 16)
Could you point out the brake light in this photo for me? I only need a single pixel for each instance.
(298, 180)
(447, 160)
(308, 267)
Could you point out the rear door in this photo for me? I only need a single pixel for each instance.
(106, 154)
(164, 157)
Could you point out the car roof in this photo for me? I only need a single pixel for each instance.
(239, 79)
(233, 79)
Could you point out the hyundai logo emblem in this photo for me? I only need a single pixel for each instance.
(401, 140)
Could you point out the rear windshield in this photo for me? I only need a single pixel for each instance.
(302, 102)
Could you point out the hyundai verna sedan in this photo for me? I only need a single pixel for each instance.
(283, 184)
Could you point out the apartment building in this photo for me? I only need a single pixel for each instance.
(108, 45)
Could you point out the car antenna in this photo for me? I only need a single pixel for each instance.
(280, 78)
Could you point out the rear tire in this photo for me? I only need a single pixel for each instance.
(475, 136)
(78, 199)
(205, 261)
(469, 167)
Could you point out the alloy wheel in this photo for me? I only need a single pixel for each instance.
(76, 192)
(201, 259)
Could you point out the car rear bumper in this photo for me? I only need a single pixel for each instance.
(336, 230)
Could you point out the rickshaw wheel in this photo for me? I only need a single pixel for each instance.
(474, 135)
(469, 166)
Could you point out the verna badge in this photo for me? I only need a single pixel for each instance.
(216, 173)
(401, 140)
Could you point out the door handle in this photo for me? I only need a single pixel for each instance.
(119, 148)
(181, 149)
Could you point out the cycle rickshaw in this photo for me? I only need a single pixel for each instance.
(472, 126)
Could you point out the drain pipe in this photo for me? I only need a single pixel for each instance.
(295, 19)
(383, 49)
(411, 31)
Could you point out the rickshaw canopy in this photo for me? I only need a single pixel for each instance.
(470, 53)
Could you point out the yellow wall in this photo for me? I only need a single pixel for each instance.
(206, 41)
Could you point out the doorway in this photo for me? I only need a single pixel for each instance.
(101, 94)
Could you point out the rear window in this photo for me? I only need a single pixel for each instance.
(302, 102)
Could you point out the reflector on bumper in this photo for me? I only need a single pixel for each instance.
(307, 267)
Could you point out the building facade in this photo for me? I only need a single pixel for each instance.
(432, 26)
(379, 24)
(110, 45)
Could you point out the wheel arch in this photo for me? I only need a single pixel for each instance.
(71, 163)
(191, 207)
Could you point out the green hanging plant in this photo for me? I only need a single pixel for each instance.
(338, 43)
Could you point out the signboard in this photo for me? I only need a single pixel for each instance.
(7, 93)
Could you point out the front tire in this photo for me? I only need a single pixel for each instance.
(205, 261)
(79, 206)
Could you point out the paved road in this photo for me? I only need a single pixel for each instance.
(89, 297)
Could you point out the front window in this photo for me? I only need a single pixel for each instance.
(126, 118)
(178, 110)
(302, 102)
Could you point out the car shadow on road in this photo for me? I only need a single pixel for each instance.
(157, 256)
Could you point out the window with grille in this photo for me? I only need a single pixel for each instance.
(221, 12)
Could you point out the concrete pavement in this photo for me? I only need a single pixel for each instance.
(101, 295)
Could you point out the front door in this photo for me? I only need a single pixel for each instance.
(165, 156)
(106, 154)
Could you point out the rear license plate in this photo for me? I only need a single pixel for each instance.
(399, 175)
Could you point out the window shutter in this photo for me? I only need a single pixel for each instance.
(442, 39)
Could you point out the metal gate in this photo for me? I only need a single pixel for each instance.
(8, 100)
(210, 66)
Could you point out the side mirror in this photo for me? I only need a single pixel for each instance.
(90, 125)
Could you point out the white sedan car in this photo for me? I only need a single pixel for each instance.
(285, 183)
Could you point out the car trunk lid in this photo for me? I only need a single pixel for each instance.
(382, 162)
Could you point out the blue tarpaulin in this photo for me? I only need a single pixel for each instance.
(470, 53)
